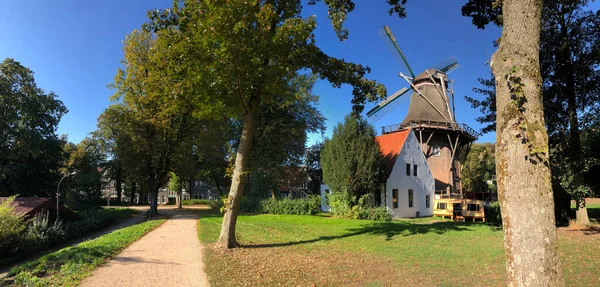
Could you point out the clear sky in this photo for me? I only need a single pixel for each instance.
(75, 47)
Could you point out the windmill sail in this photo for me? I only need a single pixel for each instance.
(447, 65)
(387, 105)
(390, 41)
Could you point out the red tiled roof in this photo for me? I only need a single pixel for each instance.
(24, 205)
(390, 145)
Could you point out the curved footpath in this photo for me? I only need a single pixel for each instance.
(171, 255)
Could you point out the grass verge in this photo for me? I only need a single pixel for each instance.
(313, 250)
(68, 266)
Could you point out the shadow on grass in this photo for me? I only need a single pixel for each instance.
(388, 229)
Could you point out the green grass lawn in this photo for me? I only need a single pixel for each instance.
(68, 266)
(306, 250)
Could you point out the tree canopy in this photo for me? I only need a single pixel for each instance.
(479, 167)
(351, 159)
(30, 150)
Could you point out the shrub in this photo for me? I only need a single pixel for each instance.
(249, 204)
(379, 214)
(214, 204)
(11, 227)
(365, 208)
(339, 203)
(302, 206)
(492, 213)
(41, 234)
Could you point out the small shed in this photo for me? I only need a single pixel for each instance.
(30, 206)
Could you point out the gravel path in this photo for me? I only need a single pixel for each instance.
(168, 256)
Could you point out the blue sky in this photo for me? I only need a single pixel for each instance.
(75, 47)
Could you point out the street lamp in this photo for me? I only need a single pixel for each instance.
(58, 190)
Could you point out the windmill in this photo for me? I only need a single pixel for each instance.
(431, 115)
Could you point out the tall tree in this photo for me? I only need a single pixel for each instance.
(479, 167)
(250, 50)
(282, 131)
(569, 57)
(83, 190)
(30, 150)
(312, 162)
(352, 161)
(522, 166)
(151, 119)
(175, 184)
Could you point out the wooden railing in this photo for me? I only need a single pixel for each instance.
(431, 124)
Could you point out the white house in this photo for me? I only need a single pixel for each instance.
(410, 186)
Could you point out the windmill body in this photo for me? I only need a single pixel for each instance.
(431, 117)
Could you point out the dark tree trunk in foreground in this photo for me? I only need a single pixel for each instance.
(524, 186)
(232, 206)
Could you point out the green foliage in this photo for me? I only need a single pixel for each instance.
(174, 182)
(351, 160)
(151, 122)
(366, 208)
(310, 205)
(339, 203)
(478, 168)
(70, 265)
(83, 190)
(11, 226)
(41, 234)
(30, 118)
(38, 234)
(214, 204)
(250, 204)
(493, 214)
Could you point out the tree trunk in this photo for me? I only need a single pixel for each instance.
(218, 186)
(524, 186)
(577, 165)
(227, 238)
(153, 211)
(132, 196)
(179, 197)
(119, 185)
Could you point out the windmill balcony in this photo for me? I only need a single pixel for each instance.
(431, 125)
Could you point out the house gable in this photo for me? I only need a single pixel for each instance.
(402, 185)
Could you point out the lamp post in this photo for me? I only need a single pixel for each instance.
(58, 190)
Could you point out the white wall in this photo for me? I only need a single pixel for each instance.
(324, 190)
(421, 185)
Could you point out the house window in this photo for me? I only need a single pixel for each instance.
(408, 169)
(415, 170)
(394, 198)
(472, 207)
(436, 150)
(427, 201)
(441, 205)
(410, 198)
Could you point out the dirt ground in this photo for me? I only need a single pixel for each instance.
(168, 256)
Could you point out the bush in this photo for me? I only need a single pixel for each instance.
(249, 204)
(11, 227)
(365, 208)
(339, 203)
(302, 206)
(492, 213)
(214, 204)
(41, 234)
